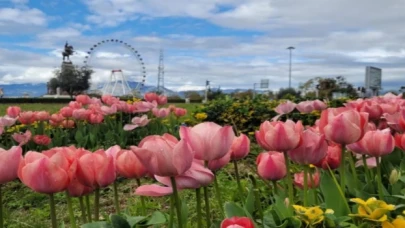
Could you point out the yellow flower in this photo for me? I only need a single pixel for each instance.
(311, 215)
(251, 133)
(399, 222)
(129, 102)
(201, 116)
(372, 209)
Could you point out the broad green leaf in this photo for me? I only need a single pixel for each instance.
(232, 209)
(332, 197)
(156, 218)
(135, 220)
(250, 202)
(119, 222)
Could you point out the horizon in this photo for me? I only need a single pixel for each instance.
(231, 43)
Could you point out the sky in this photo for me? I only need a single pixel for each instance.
(231, 43)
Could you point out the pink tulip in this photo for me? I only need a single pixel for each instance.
(370, 162)
(42, 140)
(27, 118)
(311, 149)
(109, 110)
(83, 99)
(328, 115)
(393, 121)
(240, 147)
(319, 105)
(217, 164)
(271, 165)
(305, 106)
(196, 177)
(66, 111)
(179, 112)
(43, 174)
(22, 138)
(400, 141)
(346, 127)
(209, 140)
(372, 108)
(389, 108)
(378, 143)
(41, 116)
(137, 122)
(333, 158)
(299, 180)
(56, 118)
(9, 162)
(279, 136)
(13, 111)
(141, 107)
(285, 107)
(7, 121)
(129, 166)
(164, 155)
(68, 124)
(96, 169)
(81, 114)
(95, 118)
(151, 97)
(75, 105)
(161, 100)
(109, 100)
(161, 112)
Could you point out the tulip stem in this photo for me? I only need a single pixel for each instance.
(198, 196)
(138, 182)
(1, 209)
(311, 178)
(97, 204)
(53, 211)
(83, 209)
(218, 195)
(353, 168)
(275, 190)
(366, 170)
(305, 186)
(257, 197)
(171, 218)
(70, 209)
(235, 164)
(177, 201)
(116, 199)
(88, 208)
(289, 181)
(380, 188)
(342, 171)
(207, 207)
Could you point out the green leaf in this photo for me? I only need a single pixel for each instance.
(135, 220)
(96, 225)
(281, 209)
(250, 201)
(156, 218)
(332, 197)
(119, 222)
(232, 209)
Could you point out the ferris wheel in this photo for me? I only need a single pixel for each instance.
(118, 57)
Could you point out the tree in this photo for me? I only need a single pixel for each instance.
(327, 86)
(288, 93)
(73, 80)
(53, 84)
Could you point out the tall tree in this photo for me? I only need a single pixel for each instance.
(327, 86)
(73, 80)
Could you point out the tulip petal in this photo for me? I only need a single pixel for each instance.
(153, 190)
(220, 143)
(182, 156)
(9, 163)
(130, 127)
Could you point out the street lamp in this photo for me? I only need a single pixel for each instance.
(289, 81)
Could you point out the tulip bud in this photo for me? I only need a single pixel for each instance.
(394, 176)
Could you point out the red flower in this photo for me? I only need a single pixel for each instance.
(244, 222)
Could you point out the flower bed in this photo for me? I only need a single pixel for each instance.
(339, 168)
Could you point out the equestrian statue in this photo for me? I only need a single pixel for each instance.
(67, 52)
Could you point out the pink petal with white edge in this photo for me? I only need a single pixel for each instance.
(153, 190)
(371, 162)
(130, 127)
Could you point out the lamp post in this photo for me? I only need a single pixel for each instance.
(289, 78)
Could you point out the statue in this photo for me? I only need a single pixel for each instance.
(68, 51)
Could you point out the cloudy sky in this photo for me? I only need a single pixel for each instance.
(232, 43)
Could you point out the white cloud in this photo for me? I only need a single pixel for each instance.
(22, 16)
